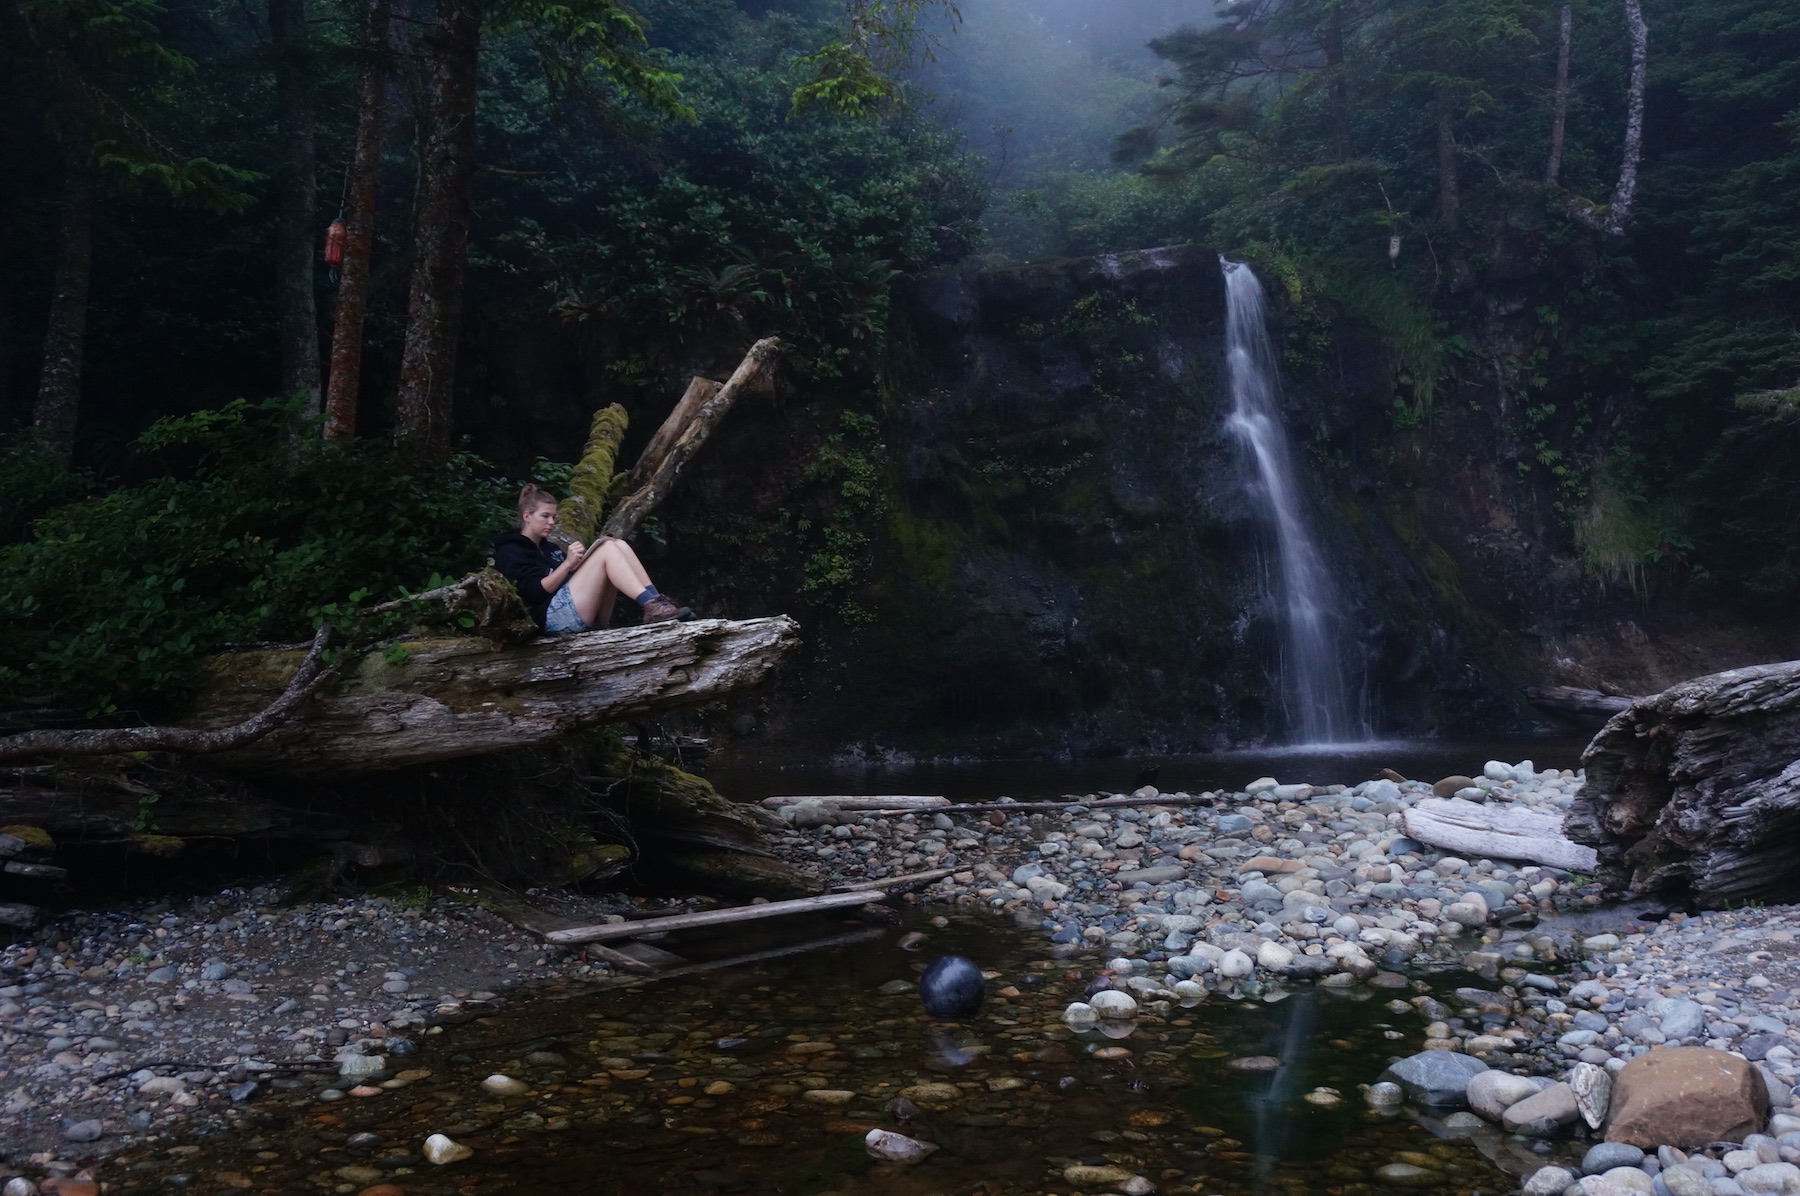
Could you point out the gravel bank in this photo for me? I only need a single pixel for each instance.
(150, 1020)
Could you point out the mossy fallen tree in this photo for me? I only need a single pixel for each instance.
(444, 697)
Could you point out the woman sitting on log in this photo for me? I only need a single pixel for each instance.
(573, 591)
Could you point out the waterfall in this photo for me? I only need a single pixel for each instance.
(1311, 677)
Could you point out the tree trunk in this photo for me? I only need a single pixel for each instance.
(440, 232)
(1625, 194)
(1695, 792)
(456, 696)
(58, 403)
(1337, 93)
(359, 217)
(1449, 195)
(665, 472)
(1560, 97)
(296, 304)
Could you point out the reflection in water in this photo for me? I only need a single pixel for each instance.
(764, 1079)
(1271, 1110)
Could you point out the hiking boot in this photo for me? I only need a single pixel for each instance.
(662, 608)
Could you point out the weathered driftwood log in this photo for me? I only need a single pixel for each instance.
(1583, 707)
(1496, 832)
(1695, 791)
(699, 392)
(458, 696)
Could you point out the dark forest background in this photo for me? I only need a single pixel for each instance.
(1454, 185)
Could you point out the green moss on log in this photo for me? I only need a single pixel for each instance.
(591, 484)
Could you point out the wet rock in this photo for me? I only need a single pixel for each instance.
(1604, 1156)
(1080, 1016)
(162, 1086)
(1685, 1181)
(1111, 1003)
(932, 1093)
(897, 1148)
(441, 1150)
(83, 1131)
(1685, 1097)
(1544, 1114)
(1549, 1181)
(1408, 1175)
(951, 988)
(1274, 957)
(501, 1085)
(1161, 874)
(1592, 1086)
(837, 1097)
(1770, 1177)
(1436, 1078)
(1492, 1092)
(1383, 1095)
(1094, 1176)
(1235, 965)
(1255, 1064)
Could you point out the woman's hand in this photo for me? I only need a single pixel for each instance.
(577, 552)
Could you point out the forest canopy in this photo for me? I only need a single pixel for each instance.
(438, 233)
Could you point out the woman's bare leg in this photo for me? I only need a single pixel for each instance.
(611, 569)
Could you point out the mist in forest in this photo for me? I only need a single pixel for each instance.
(1040, 88)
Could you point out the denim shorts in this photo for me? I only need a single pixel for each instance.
(562, 616)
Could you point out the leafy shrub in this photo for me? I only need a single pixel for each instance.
(235, 537)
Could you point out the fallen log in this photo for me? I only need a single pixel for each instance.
(664, 471)
(862, 803)
(710, 917)
(443, 698)
(1695, 792)
(1583, 707)
(1040, 807)
(1496, 832)
(889, 884)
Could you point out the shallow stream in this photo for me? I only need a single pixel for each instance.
(699, 1084)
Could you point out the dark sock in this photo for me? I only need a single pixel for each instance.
(649, 593)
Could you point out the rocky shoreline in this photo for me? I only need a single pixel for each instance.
(157, 1020)
(1285, 883)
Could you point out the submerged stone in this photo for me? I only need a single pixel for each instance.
(952, 988)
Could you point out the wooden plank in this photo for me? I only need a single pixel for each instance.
(711, 917)
(1497, 832)
(862, 803)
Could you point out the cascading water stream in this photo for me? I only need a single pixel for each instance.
(1312, 675)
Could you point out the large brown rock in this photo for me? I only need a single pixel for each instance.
(1686, 1096)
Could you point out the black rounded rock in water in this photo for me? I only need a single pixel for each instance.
(952, 988)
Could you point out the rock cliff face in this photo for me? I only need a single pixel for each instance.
(1068, 557)
(1040, 538)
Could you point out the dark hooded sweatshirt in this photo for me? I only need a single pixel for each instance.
(526, 565)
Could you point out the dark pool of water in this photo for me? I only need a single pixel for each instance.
(620, 1099)
(1024, 779)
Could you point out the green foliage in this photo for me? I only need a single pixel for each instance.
(850, 468)
(33, 479)
(107, 70)
(752, 221)
(856, 72)
(230, 537)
